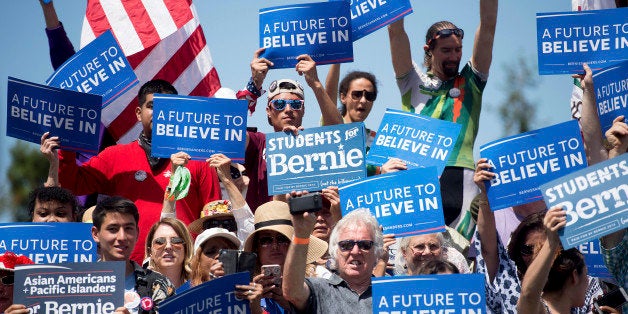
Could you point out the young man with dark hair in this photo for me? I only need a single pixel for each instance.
(116, 232)
(52, 204)
(129, 170)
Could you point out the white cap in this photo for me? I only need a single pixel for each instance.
(213, 233)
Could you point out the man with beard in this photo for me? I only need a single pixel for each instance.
(444, 93)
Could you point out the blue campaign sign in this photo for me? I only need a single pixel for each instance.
(321, 30)
(594, 198)
(199, 126)
(418, 140)
(446, 293)
(611, 94)
(523, 162)
(48, 243)
(566, 40)
(594, 260)
(315, 159)
(214, 296)
(368, 16)
(70, 287)
(99, 68)
(33, 109)
(404, 202)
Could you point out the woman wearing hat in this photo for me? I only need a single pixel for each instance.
(205, 264)
(270, 240)
(8, 261)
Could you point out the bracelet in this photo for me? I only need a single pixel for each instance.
(297, 240)
(250, 86)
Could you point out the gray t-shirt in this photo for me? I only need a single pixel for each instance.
(333, 295)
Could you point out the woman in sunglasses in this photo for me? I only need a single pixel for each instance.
(505, 268)
(417, 250)
(169, 250)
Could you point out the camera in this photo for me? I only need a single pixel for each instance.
(311, 202)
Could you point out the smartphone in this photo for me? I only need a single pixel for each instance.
(614, 299)
(274, 271)
(235, 261)
(311, 202)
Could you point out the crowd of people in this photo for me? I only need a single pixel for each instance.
(171, 236)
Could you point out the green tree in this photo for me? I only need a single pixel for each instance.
(28, 170)
(518, 111)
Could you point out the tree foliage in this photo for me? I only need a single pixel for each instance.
(28, 170)
(518, 110)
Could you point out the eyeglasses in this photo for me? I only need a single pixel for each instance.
(347, 245)
(8, 280)
(229, 224)
(527, 250)
(267, 241)
(175, 242)
(443, 33)
(280, 104)
(357, 95)
(421, 247)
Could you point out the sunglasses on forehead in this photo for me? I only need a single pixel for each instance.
(444, 33)
(357, 95)
(347, 245)
(280, 104)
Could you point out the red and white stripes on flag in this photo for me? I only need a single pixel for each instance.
(162, 39)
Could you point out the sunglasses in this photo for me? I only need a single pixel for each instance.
(444, 33)
(357, 95)
(422, 247)
(229, 224)
(8, 280)
(527, 250)
(175, 242)
(347, 245)
(269, 241)
(280, 104)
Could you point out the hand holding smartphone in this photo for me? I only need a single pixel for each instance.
(614, 299)
(273, 271)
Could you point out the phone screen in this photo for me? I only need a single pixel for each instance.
(613, 298)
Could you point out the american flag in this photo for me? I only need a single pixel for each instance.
(161, 39)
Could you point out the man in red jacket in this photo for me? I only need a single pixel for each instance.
(128, 170)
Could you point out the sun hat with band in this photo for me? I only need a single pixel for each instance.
(275, 216)
(285, 86)
(215, 209)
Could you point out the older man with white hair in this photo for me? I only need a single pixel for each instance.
(355, 245)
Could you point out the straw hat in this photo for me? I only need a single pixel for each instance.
(275, 216)
(215, 233)
(215, 209)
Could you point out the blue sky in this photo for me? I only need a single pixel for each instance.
(231, 30)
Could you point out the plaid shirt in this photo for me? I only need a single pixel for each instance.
(617, 264)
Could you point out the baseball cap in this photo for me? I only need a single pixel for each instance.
(213, 233)
(285, 86)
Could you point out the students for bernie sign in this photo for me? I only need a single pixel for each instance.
(321, 30)
(315, 159)
(429, 294)
(199, 126)
(99, 68)
(611, 93)
(523, 162)
(404, 202)
(214, 296)
(566, 40)
(33, 109)
(70, 288)
(594, 198)
(47, 243)
(418, 140)
(368, 16)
